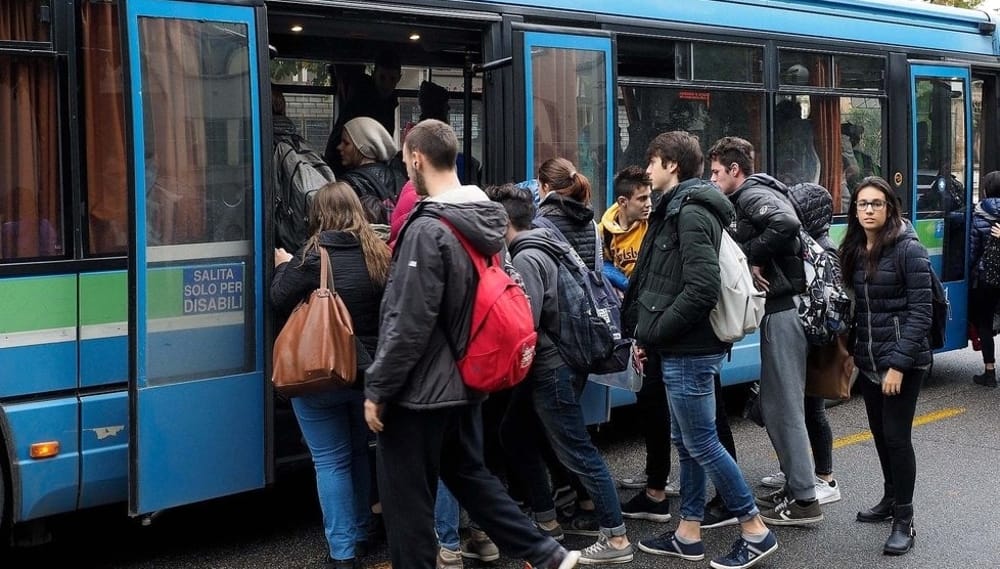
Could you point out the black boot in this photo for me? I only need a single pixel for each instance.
(881, 512)
(901, 539)
(987, 379)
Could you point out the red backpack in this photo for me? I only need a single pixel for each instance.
(502, 336)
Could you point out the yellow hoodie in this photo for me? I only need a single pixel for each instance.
(621, 246)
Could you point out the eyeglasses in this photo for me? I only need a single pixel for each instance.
(876, 205)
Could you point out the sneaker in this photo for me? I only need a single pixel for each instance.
(603, 552)
(793, 513)
(448, 559)
(642, 507)
(827, 492)
(479, 546)
(672, 489)
(583, 523)
(776, 480)
(770, 499)
(561, 559)
(668, 544)
(555, 533)
(717, 516)
(633, 482)
(746, 554)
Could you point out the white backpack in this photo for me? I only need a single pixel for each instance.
(741, 306)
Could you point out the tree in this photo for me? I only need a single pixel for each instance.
(956, 3)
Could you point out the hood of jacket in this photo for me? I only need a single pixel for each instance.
(699, 192)
(539, 238)
(815, 206)
(470, 211)
(761, 180)
(580, 213)
(989, 208)
(906, 233)
(282, 126)
(609, 221)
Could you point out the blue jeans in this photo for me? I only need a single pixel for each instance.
(334, 429)
(691, 394)
(446, 518)
(556, 395)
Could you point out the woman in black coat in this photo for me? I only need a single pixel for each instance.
(890, 274)
(332, 422)
(983, 298)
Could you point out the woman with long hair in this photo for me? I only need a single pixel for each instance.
(890, 273)
(332, 422)
(565, 201)
(983, 298)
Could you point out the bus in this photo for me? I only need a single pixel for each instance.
(136, 229)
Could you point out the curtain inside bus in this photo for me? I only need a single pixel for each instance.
(30, 202)
(827, 136)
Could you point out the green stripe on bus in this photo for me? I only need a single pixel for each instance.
(165, 293)
(37, 303)
(103, 298)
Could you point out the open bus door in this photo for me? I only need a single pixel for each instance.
(940, 200)
(197, 391)
(568, 111)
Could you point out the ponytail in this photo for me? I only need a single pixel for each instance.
(562, 178)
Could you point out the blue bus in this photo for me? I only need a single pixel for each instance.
(135, 182)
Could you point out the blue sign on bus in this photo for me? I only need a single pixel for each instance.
(213, 288)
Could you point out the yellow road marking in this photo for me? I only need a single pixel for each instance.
(917, 421)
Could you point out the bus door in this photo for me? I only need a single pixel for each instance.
(940, 198)
(568, 112)
(197, 391)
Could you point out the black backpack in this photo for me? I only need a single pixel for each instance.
(299, 172)
(989, 263)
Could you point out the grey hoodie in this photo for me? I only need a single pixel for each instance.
(534, 255)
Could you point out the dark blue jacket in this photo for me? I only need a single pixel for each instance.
(576, 222)
(892, 311)
(986, 214)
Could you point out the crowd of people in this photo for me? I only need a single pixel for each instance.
(520, 465)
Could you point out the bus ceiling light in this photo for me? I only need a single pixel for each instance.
(296, 28)
(414, 36)
(45, 449)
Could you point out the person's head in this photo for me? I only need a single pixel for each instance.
(875, 218)
(365, 140)
(336, 207)
(433, 100)
(518, 204)
(991, 184)
(387, 73)
(732, 163)
(853, 132)
(673, 157)
(560, 176)
(277, 102)
(632, 194)
(429, 151)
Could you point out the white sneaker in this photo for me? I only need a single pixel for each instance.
(672, 489)
(827, 492)
(776, 480)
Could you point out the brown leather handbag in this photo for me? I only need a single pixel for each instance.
(316, 350)
(829, 370)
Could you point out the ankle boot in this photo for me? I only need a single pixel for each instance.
(901, 539)
(987, 379)
(881, 512)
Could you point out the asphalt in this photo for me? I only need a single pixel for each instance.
(956, 502)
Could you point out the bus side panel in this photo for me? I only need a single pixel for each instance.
(38, 335)
(103, 328)
(104, 449)
(46, 486)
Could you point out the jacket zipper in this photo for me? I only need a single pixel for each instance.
(871, 355)
(895, 322)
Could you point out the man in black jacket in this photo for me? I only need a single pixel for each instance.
(674, 287)
(428, 421)
(767, 228)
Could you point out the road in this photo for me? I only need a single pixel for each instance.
(958, 525)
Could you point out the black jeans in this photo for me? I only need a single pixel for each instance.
(891, 422)
(820, 435)
(654, 421)
(416, 448)
(983, 305)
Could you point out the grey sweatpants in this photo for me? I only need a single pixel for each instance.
(783, 349)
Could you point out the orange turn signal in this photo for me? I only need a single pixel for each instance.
(46, 449)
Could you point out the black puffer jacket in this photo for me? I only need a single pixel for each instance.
(987, 214)
(576, 222)
(675, 283)
(375, 179)
(768, 230)
(294, 281)
(816, 207)
(892, 314)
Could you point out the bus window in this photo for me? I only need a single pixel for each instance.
(313, 109)
(831, 141)
(569, 106)
(708, 114)
(24, 20)
(31, 210)
(103, 126)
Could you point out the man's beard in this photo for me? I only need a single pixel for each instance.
(419, 183)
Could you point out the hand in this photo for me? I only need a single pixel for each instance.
(373, 416)
(640, 353)
(758, 278)
(893, 382)
(995, 230)
(281, 256)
